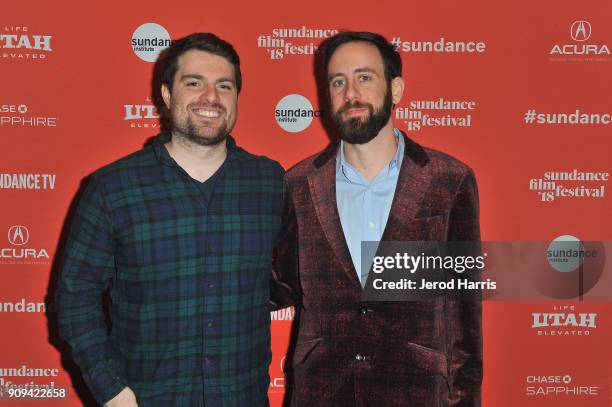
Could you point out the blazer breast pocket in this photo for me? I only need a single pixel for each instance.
(304, 349)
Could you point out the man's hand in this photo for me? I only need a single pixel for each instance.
(126, 398)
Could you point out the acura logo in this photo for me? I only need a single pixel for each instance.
(581, 30)
(18, 235)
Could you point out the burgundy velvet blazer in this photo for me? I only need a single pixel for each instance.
(354, 353)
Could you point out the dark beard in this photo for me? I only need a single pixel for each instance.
(191, 133)
(206, 136)
(358, 131)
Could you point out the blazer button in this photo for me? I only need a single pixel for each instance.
(359, 357)
(364, 310)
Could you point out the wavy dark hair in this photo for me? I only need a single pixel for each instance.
(207, 42)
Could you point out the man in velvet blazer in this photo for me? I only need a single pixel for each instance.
(374, 184)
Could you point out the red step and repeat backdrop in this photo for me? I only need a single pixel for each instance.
(521, 91)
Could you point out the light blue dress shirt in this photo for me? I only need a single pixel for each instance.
(363, 205)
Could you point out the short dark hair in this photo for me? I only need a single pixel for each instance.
(390, 57)
(207, 42)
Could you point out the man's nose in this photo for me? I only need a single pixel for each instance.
(210, 93)
(351, 91)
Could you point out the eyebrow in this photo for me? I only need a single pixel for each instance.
(358, 70)
(200, 77)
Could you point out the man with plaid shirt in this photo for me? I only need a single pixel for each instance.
(181, 234)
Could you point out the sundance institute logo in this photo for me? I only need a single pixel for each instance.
(573, 268)
(149, 40)
(294, 113)
(566, 254)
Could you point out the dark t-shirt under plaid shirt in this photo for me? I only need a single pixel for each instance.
(188, 270)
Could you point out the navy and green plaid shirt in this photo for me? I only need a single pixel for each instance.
(188, 270)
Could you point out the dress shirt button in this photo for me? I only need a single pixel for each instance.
(210, 324)
(359, 357)
(371, 225)
(211, 248)
(211, 285)
(207, 361)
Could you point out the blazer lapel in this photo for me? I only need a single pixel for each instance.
(322, 185)
(413, 182)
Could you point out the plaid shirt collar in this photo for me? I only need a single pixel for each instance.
(162, 155)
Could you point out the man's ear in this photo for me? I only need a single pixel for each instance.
(166, 95)
(397, 89)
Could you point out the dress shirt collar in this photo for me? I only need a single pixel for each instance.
(343, 167)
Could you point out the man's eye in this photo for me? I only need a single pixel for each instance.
(192, 83)
(225, 86)
(337, 82)
(364, 78)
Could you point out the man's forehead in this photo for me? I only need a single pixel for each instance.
(354, 56)
(203, 60)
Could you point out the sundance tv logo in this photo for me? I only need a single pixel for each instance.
(149, 40)
(21, 43)
(294, 113)
(580, 50)
(19, 252)
(27, 181)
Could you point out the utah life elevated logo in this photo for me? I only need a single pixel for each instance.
(581, 49)
(21, 43)
(19, 251)
(562, 320)
(142, 115)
